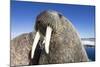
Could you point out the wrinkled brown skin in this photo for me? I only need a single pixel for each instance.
(65, 43)
(21, 50)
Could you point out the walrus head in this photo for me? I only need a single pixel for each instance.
(47, 23)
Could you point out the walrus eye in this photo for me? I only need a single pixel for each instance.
(60, 15)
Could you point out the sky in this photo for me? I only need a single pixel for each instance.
(23, 16)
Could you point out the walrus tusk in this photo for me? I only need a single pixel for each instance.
(36, 39)
(47, 39)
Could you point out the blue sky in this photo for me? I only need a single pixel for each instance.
(23, 16)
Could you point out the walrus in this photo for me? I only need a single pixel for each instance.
(54, 41)
(62, 43)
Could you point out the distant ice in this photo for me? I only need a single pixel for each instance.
(88, 42)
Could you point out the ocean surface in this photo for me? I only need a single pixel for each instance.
(91, 53)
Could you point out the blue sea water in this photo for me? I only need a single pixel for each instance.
(91, 53)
